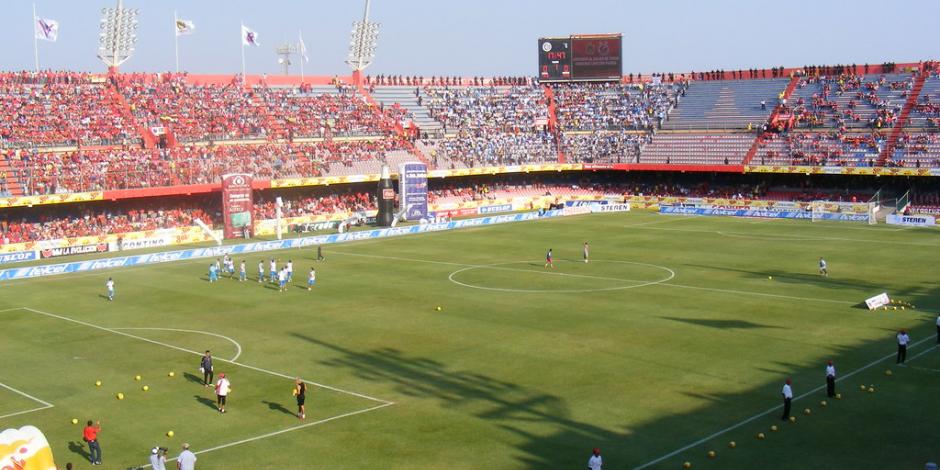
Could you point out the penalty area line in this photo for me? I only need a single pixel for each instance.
(45, 405)
(287, 430)
(239, 364)
(765, 413)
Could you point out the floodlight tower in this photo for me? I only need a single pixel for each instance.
(284, 52)
(118, 35)
(362, 44)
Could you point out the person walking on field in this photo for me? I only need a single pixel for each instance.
(206, 366)
(787, 399)
(903, 340)
(587, 250)
(300, 392)
(595, 462)
(222, 389)
(186, 459)
(830, 380)
(90, 435)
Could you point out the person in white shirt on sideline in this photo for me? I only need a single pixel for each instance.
(595, 462)
(787, 398)
(903, 340)
(823, 267)
(110, 286)
(158, 458)
(830, 380)
(186, 459)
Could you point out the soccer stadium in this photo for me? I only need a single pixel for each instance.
(577, 263)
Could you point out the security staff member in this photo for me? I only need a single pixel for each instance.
(787, 398)
(830, 380)
(903, 340)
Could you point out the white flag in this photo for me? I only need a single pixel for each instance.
(185, 27)
(303, 48)
(46, 29)
(249, 37)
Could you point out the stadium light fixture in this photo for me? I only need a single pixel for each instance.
(118, 34)
(364, 41)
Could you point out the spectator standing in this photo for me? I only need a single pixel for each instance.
(787, 399)
(186, 460)
(206, 366)
(300, 391)
(90, 435)
(222, 389)
(595, 462)
(903, 340)
(158, 458)
(830, 380)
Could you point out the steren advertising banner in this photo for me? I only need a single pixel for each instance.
(413, 190)
(236, 204)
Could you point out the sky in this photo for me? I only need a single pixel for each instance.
(486, 37)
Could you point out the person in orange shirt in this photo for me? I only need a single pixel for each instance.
(90, 435)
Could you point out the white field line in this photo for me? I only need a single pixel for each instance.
(922, 353)
(45, 405)
(238, 347)
(786, 238)
(765, 413)
(246, 366)
(665, 284)
(282, 431)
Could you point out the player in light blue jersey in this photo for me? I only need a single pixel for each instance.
(242, 272)
(110, 285)
(260, 271)
(290, 271)
(273, 271)
(311, 279)
(823, 267)
(213, 273)
(282, 280)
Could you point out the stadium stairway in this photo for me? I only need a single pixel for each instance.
(553, 120)
(13, 184)
(794, 80)
(912, 98)
(725, 104)
(148, 137)
(405, 97)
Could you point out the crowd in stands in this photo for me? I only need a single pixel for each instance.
(614, 106)
(61, 108)
(916, 150)
(482, 147)
(828, 107)
(303, 204)
(821, 149)
(776, 72)
(213, 112)
(603, 147)
(56, 223)
(415, 80)
(95, 170)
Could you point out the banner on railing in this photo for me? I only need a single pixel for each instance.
(18, 256)
(765, 214)
(911, 220)
(246, 248)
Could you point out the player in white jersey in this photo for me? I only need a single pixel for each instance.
(260, 271)
(290, 270)
(242, 272)
(311, 279)
(823, 267)
(273, 266)
(110, 285)
(282, 280)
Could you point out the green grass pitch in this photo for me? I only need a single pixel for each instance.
(672, 341)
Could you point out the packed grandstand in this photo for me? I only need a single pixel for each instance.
(157, 144)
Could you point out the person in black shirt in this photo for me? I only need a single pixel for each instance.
(300, 391)
(206, 366)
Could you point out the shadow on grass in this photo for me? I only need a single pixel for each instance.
(206, 401)
(78, 448)
(721, 324)
(193, 378)
(277, 407)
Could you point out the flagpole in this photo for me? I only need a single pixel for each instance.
(300, 34)
(35, 40)
(176, 40)
(241, 43)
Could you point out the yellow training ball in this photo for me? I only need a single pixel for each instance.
(871, 389)
(74, 420)
(711, 454)
(824, 403)
(770, 277)
(137, 378)
(807, 411)
(97, 383)
(171, 374)
(120, 396)
(773, 428)
(145, 388)
(888, 372)
(169, 434)
(760, 435)
(838, 396)
(687, 465)
(793, 419)
(732, 444)
(862, 387)
(439, 308)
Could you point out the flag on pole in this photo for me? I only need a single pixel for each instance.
(185, 27)
(47, 30)
(303, 48)
(249, 37)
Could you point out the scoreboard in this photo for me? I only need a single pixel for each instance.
(581, 57)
